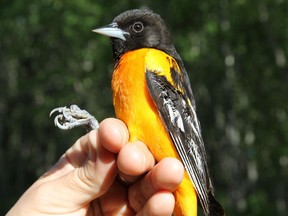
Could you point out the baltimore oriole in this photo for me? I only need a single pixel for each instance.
(153, 96)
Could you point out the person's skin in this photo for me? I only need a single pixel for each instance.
(86, 179)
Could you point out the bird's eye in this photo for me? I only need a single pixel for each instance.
(138, 27)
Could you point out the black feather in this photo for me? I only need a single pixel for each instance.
(180, 120)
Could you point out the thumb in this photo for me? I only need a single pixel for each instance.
(93, 178)
(84, 182)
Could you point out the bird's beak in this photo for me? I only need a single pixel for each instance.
(112, 30)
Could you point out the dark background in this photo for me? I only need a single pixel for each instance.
(236, 56)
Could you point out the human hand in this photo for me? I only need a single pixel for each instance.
(84, 181)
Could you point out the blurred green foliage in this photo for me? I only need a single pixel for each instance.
(236, 55)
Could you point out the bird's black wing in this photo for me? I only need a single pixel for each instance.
(180, 120)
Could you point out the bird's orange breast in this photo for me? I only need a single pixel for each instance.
(134, 105)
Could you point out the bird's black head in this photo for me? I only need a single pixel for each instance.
(135, 29)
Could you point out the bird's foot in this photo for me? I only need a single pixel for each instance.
(73, 117)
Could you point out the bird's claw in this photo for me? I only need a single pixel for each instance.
(73, 117)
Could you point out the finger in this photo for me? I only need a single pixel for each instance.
(87, 182)
(96, 175)
(75, 156)
(165, 176)
(113, 134)
(115, 201)
(134, 159)
(161, 203)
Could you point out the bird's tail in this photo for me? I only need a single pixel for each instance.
(215, 209)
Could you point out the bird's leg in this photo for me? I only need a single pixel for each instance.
(73, 116)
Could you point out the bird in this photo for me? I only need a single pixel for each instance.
(152, 95)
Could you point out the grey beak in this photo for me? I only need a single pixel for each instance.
(112, 30)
